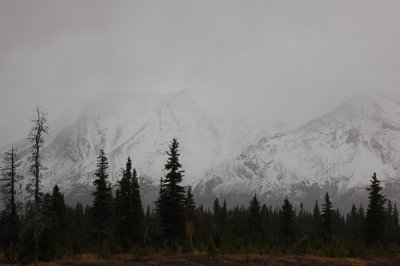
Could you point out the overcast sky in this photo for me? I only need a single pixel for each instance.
(289, 59)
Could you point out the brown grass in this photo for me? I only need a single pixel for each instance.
(203, 259)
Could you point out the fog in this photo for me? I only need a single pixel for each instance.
(271, 60)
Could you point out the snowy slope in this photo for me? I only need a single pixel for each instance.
(222, 155)
(140, 126)
(337, 153)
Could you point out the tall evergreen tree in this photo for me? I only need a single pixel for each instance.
(316, 221)
(147, 226)
(123, 209)
(102, 205)
(375, 218)
(223, 214)
(189, 205)
(354, 224)
(58, 223)
(45, 240)
(217, 222)
(170, 203)
(327, 216)
(9, 185)
(255, 221)
(137, 210)
(286, 219)
(216, 211)
(396, 226)
(395, 216)
(389, 224)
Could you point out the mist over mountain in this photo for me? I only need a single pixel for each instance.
(336, 152)
(225, 156)
(140, 126)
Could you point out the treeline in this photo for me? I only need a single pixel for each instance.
(44, 228)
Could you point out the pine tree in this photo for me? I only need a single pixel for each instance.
(286, 219)
(137, 210)
(58, 223)
(255, 216)
(217, 210)
(301, 212)
(170, 203)
(375, 218)
(395, 216)
(396, 227)
(316, 220)
(354, 225)
(217, 219)
(327, 216)
(189, 205)
(265, 217)
(300, 226)
(147, 226)
(389, 225)
(123, 209)
(189, 215)
(9, 185)
(102, 202)
(223, 214)
(45, 241)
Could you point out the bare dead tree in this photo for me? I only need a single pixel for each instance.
(35, 216)
(9, 187)
(36, 137)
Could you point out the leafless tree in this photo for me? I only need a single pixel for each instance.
(36, 137)
(9, 188)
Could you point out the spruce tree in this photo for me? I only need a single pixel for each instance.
(217, 219)
(170, 203)
(375, 217)
(45, 241)
(354, 225)
(123, 209)
(395, 216)
(389, 225)
(189, 205)
(9, 185)
(396, 226)
(58, 223)
(137, 211)
(147, 226)
(223, 214)
(102, 204)
(217, 210)
(327, 216)
(189, 215)
(286, 219)
(255, 216)
(316, 221)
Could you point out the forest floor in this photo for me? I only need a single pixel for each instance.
(204, 259)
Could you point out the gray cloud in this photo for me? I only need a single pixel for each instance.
(289, 59)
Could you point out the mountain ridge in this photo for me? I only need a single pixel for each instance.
(223, 157)
(336, 152)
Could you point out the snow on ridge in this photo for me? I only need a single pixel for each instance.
(343, 147)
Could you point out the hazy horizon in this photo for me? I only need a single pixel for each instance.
(275, 60)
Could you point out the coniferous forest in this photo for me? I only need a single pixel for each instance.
(38, 225)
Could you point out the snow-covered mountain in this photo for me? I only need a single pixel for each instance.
(140, 126)
(337, 152)
(223, 156)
